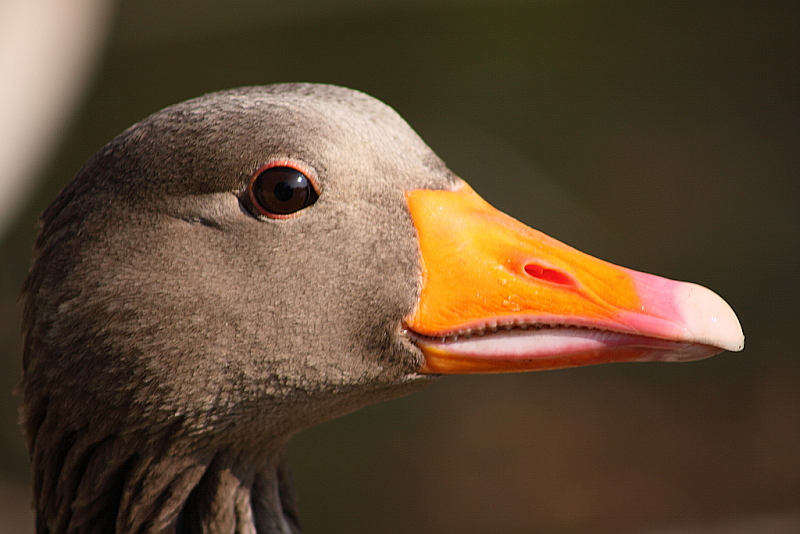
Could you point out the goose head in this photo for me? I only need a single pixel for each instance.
(243, 265)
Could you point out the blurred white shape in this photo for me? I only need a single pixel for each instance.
(47, 49)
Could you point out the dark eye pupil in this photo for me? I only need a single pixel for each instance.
(282, 190)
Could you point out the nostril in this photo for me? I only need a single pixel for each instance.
(547, 274)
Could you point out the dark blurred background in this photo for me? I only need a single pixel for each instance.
(663, 136)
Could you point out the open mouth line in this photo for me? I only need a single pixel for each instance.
(499, 327)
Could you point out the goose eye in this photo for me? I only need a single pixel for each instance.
(281, 191)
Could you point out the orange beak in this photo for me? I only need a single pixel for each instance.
(498, 296)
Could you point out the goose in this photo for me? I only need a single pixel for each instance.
(246, 264)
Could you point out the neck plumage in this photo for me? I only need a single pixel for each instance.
(159, 486)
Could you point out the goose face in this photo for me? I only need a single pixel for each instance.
(164, 265)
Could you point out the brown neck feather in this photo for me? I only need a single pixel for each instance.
(118, 483)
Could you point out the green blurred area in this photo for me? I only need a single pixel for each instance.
(663, 136)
